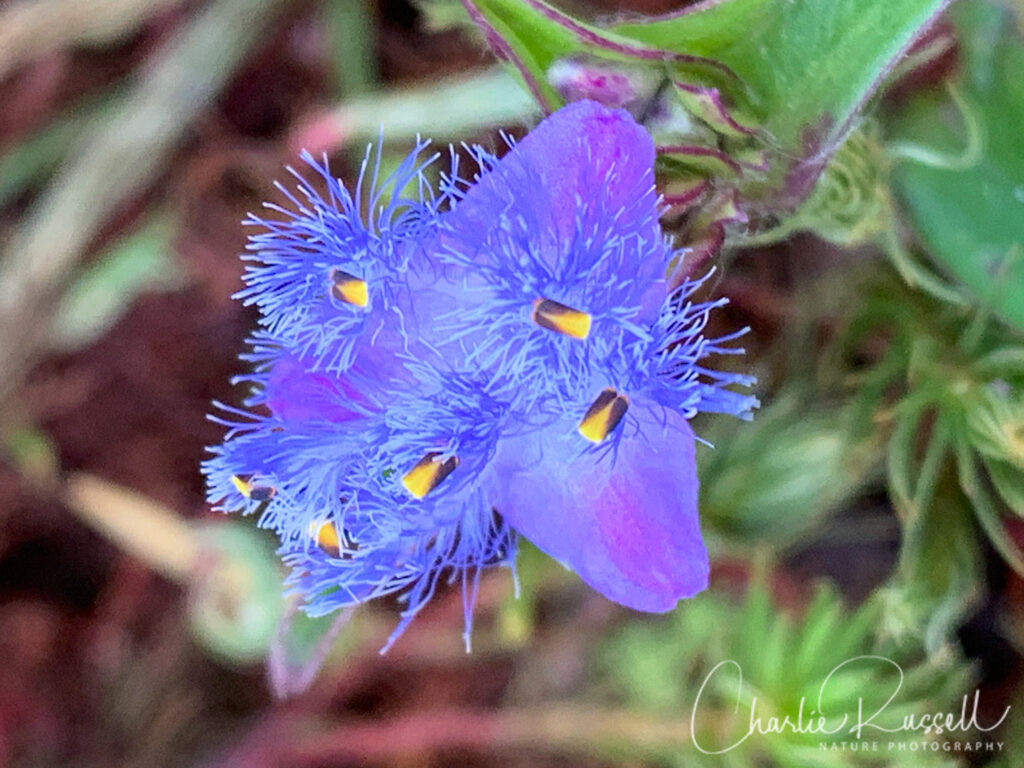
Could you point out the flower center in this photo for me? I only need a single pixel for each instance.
(560, 318)
(603, 415)
(349, 288)
(428, 474)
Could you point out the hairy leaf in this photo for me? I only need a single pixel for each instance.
(971, 218)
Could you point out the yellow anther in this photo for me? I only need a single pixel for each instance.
(241, 485)
(349, 288)
(603, 415)
(560, 318)
(428, 474)
(245, 486)
(326, 537)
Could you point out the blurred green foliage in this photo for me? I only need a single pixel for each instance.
(722, 664)
(970, 215)
(945, 396)
(235, 602)
(755, 485)
(137, 262)
(917, 393)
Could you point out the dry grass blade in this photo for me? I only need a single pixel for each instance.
(152, 533)
(118, 156)
(33, 28)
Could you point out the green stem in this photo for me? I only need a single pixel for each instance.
(350, 30)
(453, 108)
(933, 158)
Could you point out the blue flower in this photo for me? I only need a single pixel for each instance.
(300, 265)
(435, 375)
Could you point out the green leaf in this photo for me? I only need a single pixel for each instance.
(938, 572)
(755, 486)
(235, 598)
(808, 65)
(995, 423)
(350, 27)
(472, 103)
(33, 454)
(535, 35)
(972, 219)
(1009, 482)
(985, 510)
(804, 68)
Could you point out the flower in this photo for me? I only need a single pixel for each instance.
(436, 375)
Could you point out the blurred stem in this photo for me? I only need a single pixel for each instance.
(118, 156)
(148, 531)
(33, 28)
(350, 31)
(38, 154)
(452, 108)
(554, 728)
(916, 275)
(928, 474)
(933, 158)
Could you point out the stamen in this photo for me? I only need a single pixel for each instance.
(604, 415)
(560, 318)
(246, 487)
(349, 288)
(428, 474)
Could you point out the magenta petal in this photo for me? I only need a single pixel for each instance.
(296, 393)
(628, 527)
(297, 390)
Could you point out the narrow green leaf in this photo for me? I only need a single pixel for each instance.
(931, 464)
(1009, 482)
(987, 513)
(820, 622)
(900, 458)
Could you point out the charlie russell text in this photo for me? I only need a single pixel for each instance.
(857, 722)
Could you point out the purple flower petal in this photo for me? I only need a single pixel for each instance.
(570, 216)
(626, 521)
(583, 150)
